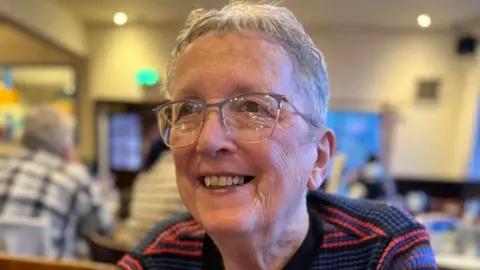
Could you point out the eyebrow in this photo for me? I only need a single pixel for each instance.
(186, 94)
(190, 93)
(243, 89)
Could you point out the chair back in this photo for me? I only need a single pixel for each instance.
(8, 262)
(104, 249)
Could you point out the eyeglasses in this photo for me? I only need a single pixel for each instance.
(247, 118)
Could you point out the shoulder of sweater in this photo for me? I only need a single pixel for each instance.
(174, 229)
(362, 216)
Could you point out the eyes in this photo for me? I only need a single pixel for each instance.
(252, 106)
(247, 118)
(250, 114)
(188, 108)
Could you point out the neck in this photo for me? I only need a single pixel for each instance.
(270, 248)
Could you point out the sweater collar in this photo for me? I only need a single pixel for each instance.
(302, 259)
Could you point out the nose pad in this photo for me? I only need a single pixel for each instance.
(226, 124)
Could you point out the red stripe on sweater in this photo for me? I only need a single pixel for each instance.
(397, 240)
(134, 262)
(342, 223)
(416, 241)
(348, 242)
(334, 234)
(172, 230)
(176, 251)
(366, 225)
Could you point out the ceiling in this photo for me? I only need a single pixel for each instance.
(394, 13)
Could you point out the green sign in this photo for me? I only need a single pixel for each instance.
(147, 77)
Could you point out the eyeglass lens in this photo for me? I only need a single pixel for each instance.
(246, 118)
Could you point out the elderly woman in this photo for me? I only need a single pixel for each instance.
(247, 129)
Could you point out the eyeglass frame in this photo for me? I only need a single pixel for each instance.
(280, 98)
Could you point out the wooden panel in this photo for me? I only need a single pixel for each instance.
(17, 263)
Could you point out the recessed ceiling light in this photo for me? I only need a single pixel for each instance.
(120, 18)
(424, 21)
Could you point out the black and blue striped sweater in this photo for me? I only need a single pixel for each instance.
(344, 234)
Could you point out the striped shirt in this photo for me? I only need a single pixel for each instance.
(155, 199)
(38, 184)
(344, 234)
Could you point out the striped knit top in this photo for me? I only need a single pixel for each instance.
(344, 234)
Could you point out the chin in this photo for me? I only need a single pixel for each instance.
(232, 209)
(226, 224)
(227, 220)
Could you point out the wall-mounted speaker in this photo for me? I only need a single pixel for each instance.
(467, 45)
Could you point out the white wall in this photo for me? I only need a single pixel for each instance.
(384, 66)
(116, 54)
(363, 64)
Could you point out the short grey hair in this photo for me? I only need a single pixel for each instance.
(274, 23)
(47, 129)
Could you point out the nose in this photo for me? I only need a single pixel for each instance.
(214, 139)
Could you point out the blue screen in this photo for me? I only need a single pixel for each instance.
(357, 135)
(125, 142)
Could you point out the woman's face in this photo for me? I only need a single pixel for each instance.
(215, 68)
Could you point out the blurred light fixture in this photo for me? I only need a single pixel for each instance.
(424, 21)
(120, 18)
(69, 89)
(147, 77)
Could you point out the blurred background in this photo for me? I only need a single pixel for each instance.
(404, 85)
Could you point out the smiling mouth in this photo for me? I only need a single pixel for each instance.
(222, 182)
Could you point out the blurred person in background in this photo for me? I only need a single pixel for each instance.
(155, 195)
(105, 182)
(372, 181)
(246, 124)
(46, 180)
(378, 183)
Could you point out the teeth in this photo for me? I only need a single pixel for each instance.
(222, 181)
(213, 180)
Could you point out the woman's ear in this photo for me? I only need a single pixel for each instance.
(325, 151)
(315, 180)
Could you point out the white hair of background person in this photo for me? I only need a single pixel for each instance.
(48, 129)
(275, 23)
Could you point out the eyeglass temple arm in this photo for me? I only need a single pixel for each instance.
(306, 117)
(160, 105)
